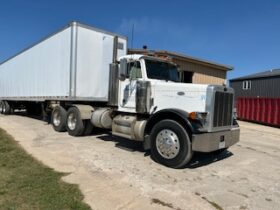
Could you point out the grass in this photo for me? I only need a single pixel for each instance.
(27, 184)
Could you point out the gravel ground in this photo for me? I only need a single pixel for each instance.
(115, 173)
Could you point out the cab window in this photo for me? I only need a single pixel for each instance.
(162, 70)
(134, 70)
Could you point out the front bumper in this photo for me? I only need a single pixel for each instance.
(208, 142)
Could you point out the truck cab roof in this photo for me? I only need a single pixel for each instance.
(132, 57)
(140, 56)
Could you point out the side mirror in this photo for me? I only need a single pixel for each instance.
(123, 69)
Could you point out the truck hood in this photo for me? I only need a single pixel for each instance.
(187, 97)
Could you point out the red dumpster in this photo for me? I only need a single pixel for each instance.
(261, 110)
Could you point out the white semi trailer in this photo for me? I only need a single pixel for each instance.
(83, 77)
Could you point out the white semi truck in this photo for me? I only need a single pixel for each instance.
(84, 79)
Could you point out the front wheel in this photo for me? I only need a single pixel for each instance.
(170, 144)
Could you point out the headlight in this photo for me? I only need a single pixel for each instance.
(198, 115)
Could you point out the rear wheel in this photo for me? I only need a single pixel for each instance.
(58, 119)
(75, 125)
(170, 144)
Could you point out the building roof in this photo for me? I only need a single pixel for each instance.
(182, 57)
(270, 73)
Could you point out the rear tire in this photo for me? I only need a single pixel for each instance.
(58, 119)
(74, 125)
(170, 144)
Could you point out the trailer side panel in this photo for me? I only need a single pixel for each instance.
(41, 71)
(94, 55)
(72, 64)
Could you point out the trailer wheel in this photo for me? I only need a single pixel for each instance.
(75, 125)
(58, 119)
(6, 108)
(170, 144)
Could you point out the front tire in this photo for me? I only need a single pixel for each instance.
(170, 144)
(75, 125)
(58, 119)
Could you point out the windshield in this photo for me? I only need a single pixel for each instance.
(161, 70)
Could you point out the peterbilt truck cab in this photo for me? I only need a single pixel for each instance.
(173, 119)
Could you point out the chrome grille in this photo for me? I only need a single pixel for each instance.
(223, 109)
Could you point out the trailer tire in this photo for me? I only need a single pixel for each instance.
(74, 124)
(170, 144)
(58, 119)
(6, 108)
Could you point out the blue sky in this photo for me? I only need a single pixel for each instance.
(244, 34)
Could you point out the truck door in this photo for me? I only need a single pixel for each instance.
(128, 86)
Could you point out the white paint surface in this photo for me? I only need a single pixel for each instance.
(42, 70)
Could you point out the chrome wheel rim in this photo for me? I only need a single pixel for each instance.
(167, 144)
(56, 118)
(1, 107)
(71, 121)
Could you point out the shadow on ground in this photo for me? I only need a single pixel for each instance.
(202, 159)
(199, 159)
(123, 143)
(33, 116)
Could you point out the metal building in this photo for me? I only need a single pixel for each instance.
(194, 70)
(258, 97)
